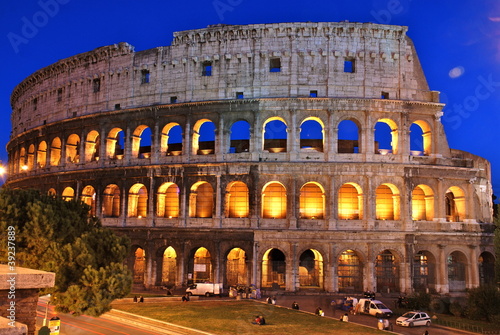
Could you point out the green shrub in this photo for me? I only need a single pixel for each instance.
(456, 309)
(483, 303)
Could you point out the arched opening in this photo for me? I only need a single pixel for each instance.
(141, 142)
(457, 265)
(348, 137)
(237, 200)
(312, 201)
(422, 203)
(273, 269)
(68, 194)
(424, 272)
(31, 157)
(52, 192)
(311, 269)
(22, 159)
(115, 144)
(387, 202)
(274, 201)
(387, 272)
(202, 266)
(275, 135)
(55, 152)
(236, 267)
(41, 157)
(169, 268)
(73, 149)
(88, 197)
(240, 137)
(350, 272)
(386, 137)
(139, 265)
(138, 201)
(204, 137)
(311, 135)
(92, 146)
(171, 140)
(350, 202)
(168, 201)
(111, 201)
(486, 268)
(420, 138)
(201, 201)
(455, 204)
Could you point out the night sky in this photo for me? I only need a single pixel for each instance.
(458, 43)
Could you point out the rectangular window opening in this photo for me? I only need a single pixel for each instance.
(275, 65)
(35, 104)
(384, 95)
(173, 100)
(96, 85)
(313, 94)
(239, 95)
(145, 77)
(117, 107)
(349, 65)
(59, 94)
(207, 69)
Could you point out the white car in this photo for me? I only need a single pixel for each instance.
(411, 319)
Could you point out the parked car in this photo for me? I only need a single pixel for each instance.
(372, 307)
(415, 318)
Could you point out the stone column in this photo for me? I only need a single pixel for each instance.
(472, 268)
(442, 272)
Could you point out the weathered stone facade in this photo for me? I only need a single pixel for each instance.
(249, 204)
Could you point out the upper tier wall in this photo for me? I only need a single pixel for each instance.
(311, 58)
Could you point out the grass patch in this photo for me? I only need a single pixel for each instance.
(235, 317)
(463, 323)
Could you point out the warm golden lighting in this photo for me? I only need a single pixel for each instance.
(24, 167)
(350, 202)
(238, 203)
(311, 201)
(387, 203)
(274, 201)
(2, 170)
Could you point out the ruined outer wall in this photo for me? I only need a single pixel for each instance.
(312, 58)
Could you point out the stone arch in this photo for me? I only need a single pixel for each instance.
(92, 146)
(349, 136)
(237, 200)
(239, 140)
(387, 202)
(424, 272)
(387, 271)
(89, 198)
(420, 138)
(139, 264)
(168, 200)
(169, 267)
(350, 202)
(200, 265)
(41, 156)
(274, 134)
(457, 271)
(22, 159)
(311, 272)
(111, 202)
(312, 134)
(138, 201)
(115, 144)
(203, 137)
(73, 149)
(274, 200)
(171, 142)
(312, 201)
(141, 142)
(201, 200)
(273, 268)
(390, 133)
(68, 194)
(486, 263)
(422, 203)
(455, 204)
(350, 272)
(31, 157)
(236, 267)
(55, 151)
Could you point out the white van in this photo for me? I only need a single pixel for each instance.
(206, 289)
(373, 307)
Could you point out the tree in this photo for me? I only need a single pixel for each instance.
(55, 235)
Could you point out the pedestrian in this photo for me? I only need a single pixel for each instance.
(135, 298)
(274, 300)
(295, 305)
(185, 297)
(141, 299)
(269, 300)
(344, 318)
(319, 312)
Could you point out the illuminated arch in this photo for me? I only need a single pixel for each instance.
(311, 269)
(73, 149)
(141, 142)
(92, 146)
(169, 267)
(387, 202)
(273, 268)
(202, 266)
(171, 140)
(312, 134)
(68, 194)
(168, 200)
(138, 201)
(350, 272)
(274, 201)
(348, 138)
(203, 139)
(52, 192)
(41, 156)
(22, 159)
(115, 143)
(455, 204)
(381, 135)
(89, 198)
(312, 201)
(237, 200)
(350, 202)
(139, 267)
(422, 203)
(274, 134)
(236, 267)
(31, 157)
(420, 138)
(201, 200)
(55, 152)
(111, 202)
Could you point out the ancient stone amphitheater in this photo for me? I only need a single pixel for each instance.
(292, 156)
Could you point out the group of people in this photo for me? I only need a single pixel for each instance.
(259, 320)
(271, 300)
(141, 299)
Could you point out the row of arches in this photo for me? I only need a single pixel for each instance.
(275, 137)
(312, 201)
(310, 270)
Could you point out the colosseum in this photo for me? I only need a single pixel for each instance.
(293, 156)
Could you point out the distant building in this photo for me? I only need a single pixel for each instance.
(289, 155)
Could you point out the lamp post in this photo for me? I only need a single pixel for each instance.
(46, 311)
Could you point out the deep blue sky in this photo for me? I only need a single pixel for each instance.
(458, 43)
